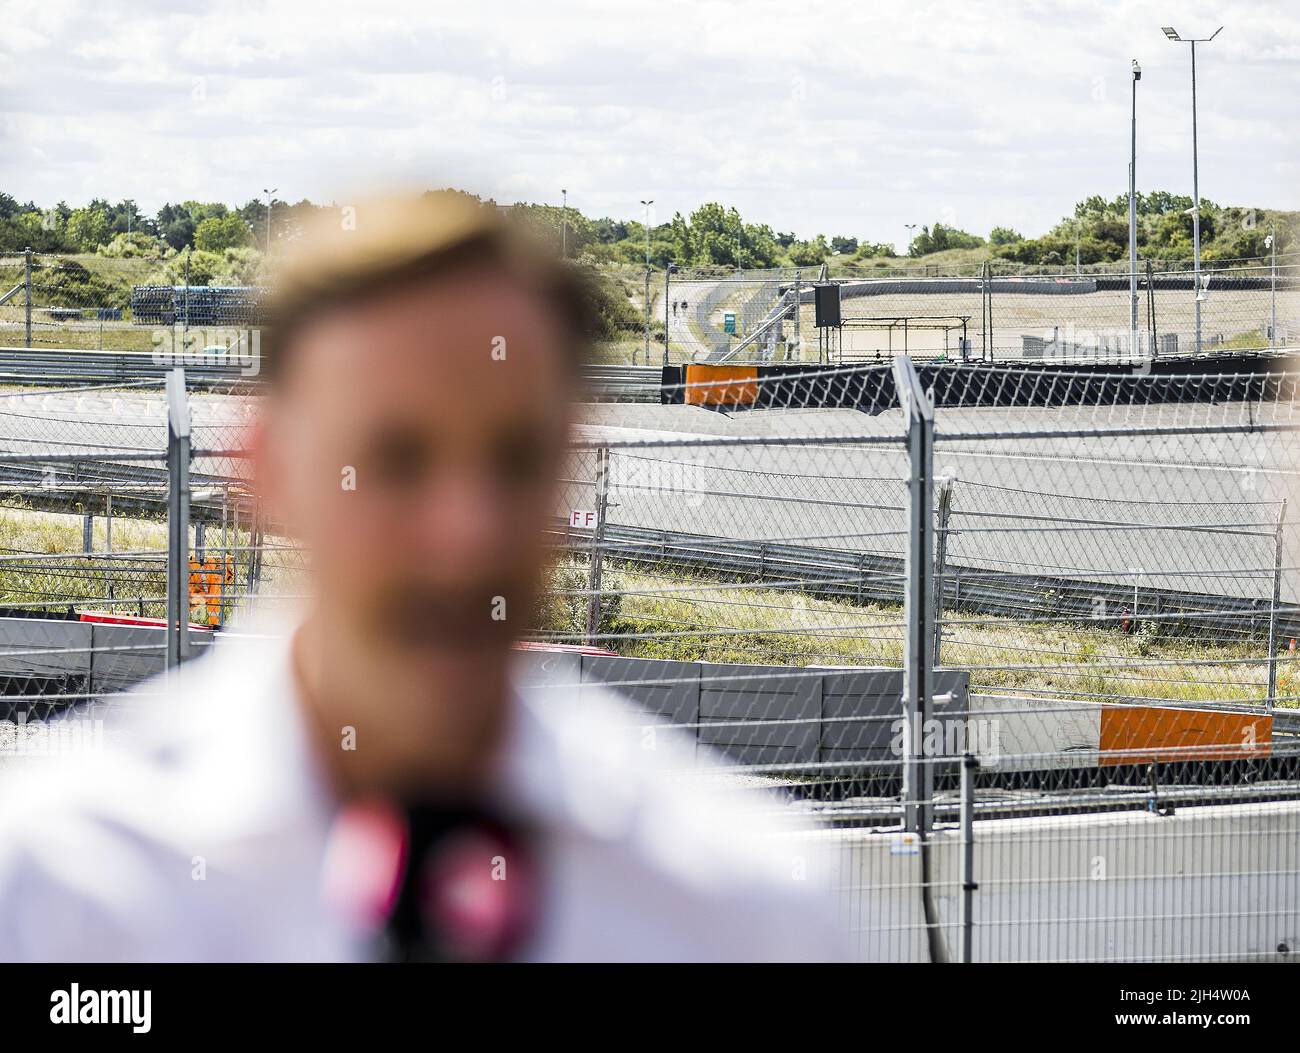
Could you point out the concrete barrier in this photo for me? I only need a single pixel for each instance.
(1206, 883)
(754, 714)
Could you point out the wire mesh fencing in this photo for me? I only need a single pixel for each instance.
(158, 306)
(989, 317)
(1026, 662)
(1092, 635)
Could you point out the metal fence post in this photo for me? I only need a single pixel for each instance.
(918, 598)
(941, 560)
(647, 319)
(984, 323)
(969, 766)
(1151, 309)
(668, 276)
(1272, 610)
(178, 518)
(917, 796)
(597, 544)
(27, 291)
(798, 304)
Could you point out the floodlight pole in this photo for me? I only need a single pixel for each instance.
(564, 224)
(647, 205)
(1172, 34)
(27, 294)
(1272, 287)
(269, 199)
(1196, 208)
(668, 273)
(1132, 218)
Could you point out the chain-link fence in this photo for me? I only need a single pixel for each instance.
(988, 316)
(111, 304)
(1030, 666)
(1034, 664)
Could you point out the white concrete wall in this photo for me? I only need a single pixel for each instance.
(1207, 883)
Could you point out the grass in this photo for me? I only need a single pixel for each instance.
(41, 565)
(670, 617)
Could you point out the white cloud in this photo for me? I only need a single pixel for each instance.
(835, 118)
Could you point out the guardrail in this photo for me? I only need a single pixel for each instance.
(26, 366)
(606, 383)
(863, 577)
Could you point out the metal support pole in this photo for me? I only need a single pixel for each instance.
(255, 556)
(185, 328)
(941, 560)
(1272, 610)
(178, 518)
(1151, 309)
(647, 315)
(918, 599)
(969, 766)
(986, 312)
(989, 296)
(87, 533)
(597, 544)
(226, 579)
(27, 291)
(668, 273)
(1196, 207)
(798, 310)
(646, 205)
(1272, 287)
(1132, 219)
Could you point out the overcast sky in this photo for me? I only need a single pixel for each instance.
(831, 117)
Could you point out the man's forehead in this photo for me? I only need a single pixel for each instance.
(475, 316)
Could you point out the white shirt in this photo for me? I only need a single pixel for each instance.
(200, 834)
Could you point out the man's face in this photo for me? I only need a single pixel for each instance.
(412, 447)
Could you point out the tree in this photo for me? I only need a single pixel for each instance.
(715, 236)
(218, 233)
(844, 246)
(609, 230)
(139, 244)
(942, 237)
(1004, 236)
(811, 253)
(176, 226)
(876, 250)
(88, 228)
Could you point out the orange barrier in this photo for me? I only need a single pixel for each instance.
(208, 583)
(708, 385)
(1139, 734)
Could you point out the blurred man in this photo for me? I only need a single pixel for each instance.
(368, 781)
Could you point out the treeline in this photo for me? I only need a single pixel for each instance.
(228, 244)
(1098, 230)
